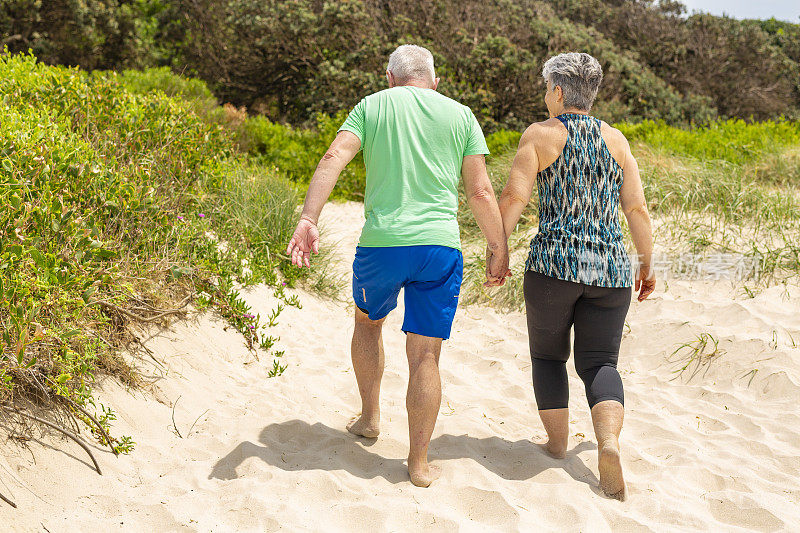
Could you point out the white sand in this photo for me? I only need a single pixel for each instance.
(718, 452)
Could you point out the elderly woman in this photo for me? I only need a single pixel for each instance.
(578, 272)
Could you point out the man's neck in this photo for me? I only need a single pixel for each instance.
(416, 83)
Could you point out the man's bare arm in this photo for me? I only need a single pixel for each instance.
(306, 236)
(483, 204)
(341, 151)
(517, 191)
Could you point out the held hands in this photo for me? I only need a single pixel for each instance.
(304, 241)
(645, 282)
(497, 266)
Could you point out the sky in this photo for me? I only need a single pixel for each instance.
(761, 9)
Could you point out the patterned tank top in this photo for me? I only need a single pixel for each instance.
(580, 237)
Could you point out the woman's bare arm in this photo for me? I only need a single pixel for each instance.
(634, 206)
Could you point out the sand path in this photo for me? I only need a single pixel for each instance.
(719, 451)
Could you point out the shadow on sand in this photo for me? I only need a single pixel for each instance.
(297, 445)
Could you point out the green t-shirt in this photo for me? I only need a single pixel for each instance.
(414, 141)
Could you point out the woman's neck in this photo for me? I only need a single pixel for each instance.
(573, 111)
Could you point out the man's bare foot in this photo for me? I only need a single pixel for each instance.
(424, 475)
(553, 450)
(610, 466)
(364, 428)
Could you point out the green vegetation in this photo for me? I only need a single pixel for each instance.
(734, 141)
(296, 151)
(290, 60)
(692, 357)
(114, 195)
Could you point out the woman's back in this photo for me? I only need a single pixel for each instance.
(580, 237)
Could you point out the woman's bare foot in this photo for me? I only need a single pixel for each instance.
(611, 481)
(556, 424)
(364, 428)
(424, 474)
(556, 451)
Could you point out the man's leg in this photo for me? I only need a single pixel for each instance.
(422, 402)
(431, 297)
(368, 361)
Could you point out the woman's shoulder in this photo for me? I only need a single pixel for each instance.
(615, 140)
(548, 138)
(547, 125)
(546, 131)
(612, 134)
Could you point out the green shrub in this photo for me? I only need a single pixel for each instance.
(502, 141)
(297, 151)
(108, 197)
(164, 80)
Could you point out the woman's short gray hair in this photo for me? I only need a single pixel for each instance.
(411, 62)
(579, 76)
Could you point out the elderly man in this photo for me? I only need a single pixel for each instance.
(416, 144)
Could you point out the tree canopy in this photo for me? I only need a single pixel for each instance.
(290, 59)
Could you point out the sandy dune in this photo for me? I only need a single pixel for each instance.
(717, 451)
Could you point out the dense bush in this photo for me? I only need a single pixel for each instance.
(111, 199)
(90, 33)
(735, 64)
(291, 60)
(288, 61)
(296, 151)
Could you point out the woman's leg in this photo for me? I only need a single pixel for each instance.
(607, 419)
(549, 306)
(599, 320)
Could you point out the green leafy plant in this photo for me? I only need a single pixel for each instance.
(276, 370)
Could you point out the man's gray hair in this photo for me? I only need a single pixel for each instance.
(579, 76)
(411, 62)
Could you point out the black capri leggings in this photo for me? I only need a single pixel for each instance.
(598, 313)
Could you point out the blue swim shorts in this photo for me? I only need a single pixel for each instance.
(430, 275)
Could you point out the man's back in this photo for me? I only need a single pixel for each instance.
(414, 141)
